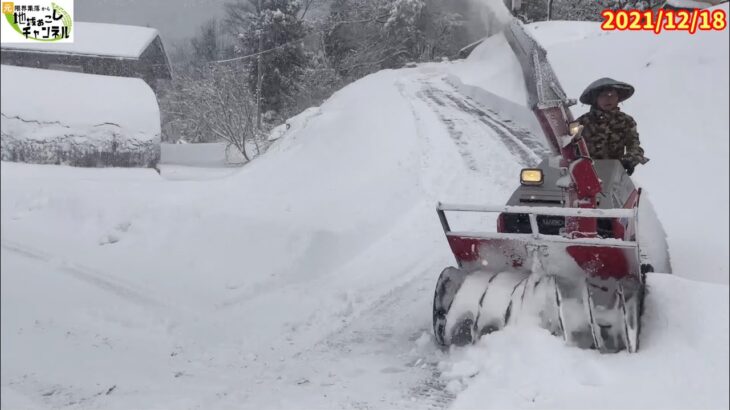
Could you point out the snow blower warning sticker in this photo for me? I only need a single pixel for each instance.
(37, 21)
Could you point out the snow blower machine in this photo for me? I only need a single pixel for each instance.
(576, 268)
(565, 250)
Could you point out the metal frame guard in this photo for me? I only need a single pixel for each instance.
(601, 257)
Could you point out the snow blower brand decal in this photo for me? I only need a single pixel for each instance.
(37, 21)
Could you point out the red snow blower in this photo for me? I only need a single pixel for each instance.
(565, 249)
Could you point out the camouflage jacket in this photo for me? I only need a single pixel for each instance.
(612, 135)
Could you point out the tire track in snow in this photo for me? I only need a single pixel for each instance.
(525, 147)
(85, 274)
(519, 137)
(430, 392)
(467, 123)
(379, 330)
(455, 132)
(454, 128)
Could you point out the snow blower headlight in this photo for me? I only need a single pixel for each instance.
(574, 128)
(531, 176)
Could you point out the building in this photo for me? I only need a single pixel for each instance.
(98, 48)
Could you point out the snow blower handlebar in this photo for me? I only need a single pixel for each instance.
(532, 212)
(541, 210)
(504, 250)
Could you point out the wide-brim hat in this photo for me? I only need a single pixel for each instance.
(591, 92)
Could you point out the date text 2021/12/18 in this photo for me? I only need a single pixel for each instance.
(669, 20)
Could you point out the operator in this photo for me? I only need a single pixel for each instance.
(610, 133)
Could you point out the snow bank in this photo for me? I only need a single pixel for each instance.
(683, 362)
(336, 223)
(101, 39)
(294, 124)
(82, 119)
(169, 275)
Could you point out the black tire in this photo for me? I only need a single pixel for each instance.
(448, 285)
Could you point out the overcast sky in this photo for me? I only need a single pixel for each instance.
(175, 19)
(179, 20)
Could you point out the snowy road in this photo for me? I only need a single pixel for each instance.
(458, 113)
(366, 344)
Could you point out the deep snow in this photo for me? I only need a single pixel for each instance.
(305, 279)
(78, 101)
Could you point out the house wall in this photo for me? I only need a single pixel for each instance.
(154, 62)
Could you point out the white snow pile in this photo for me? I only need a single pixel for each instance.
(294, 124)
(305, 279)
(682, 363)
(80, 119)
(230, 293)
(101, 39)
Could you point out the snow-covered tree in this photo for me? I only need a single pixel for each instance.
(355, 38)
(273, 29)
(215, 105)
(368, 35)
(211, 43)
(318, 81)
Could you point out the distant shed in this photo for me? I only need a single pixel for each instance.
(98, 48)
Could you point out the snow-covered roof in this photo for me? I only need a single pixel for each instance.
(79, 100)
(112, 40)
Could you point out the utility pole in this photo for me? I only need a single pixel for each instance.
(549, 9)
(259, 69)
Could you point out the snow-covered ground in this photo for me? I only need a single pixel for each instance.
(305, 279)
